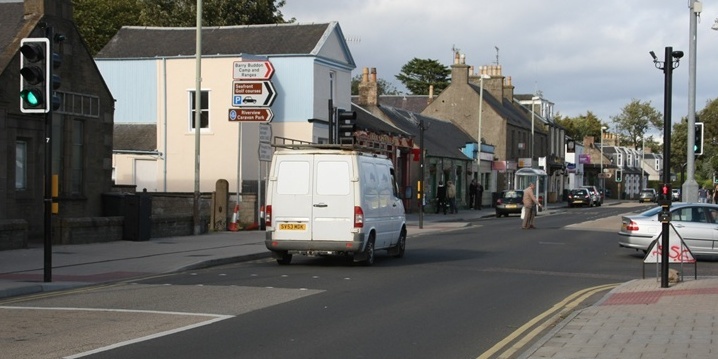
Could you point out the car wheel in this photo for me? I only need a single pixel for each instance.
(498, 215)
(400, 245)
(284, 258)
(369, 252)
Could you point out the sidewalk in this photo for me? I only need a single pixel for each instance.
(637, 319)
(22, 270)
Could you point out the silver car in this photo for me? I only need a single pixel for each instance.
(696, 223)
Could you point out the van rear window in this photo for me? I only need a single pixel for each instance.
(293, 177)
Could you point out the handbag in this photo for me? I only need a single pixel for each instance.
(523, 213)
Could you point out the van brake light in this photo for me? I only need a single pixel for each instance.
(358, 217)
(268, 216)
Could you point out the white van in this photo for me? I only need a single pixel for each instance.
(324, 200)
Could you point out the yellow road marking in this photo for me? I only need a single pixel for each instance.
(563, 306)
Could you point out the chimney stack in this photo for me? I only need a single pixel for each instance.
(368, 88)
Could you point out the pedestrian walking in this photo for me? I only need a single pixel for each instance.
(472, 194)
(441, 198)
(530, 204)
(715, 195)
(479, 196)
(702, 195)
(451, 196)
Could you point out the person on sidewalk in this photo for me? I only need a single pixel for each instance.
(441, 198)
(702, 195)
(530, 205)
(451, 196)
(472, 194)
(479, 196)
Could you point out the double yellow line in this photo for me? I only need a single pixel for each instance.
(563, 307)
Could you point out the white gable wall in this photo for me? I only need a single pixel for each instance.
(157, 90)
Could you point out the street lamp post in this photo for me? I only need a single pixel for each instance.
(601, 175)
(533, 114)
(478, 139)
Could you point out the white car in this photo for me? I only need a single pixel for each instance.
(696, 223)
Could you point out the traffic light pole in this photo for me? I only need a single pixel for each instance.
(47, 240)
(670, 62)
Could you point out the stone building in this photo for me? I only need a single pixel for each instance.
(80, 130)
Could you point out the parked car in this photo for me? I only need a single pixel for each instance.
(597, 196)
(648, 195)
(696, 223)
(510, 202)
(580, 197)
(676, 195)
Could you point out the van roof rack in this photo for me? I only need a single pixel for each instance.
(326, 146)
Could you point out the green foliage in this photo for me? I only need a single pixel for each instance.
(385, 88)
(214, 12)
(707, 163)
(581, 126)
(635, 120)
(99, 20)
(417, 75)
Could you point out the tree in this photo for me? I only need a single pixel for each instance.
(581, 126)
(635, 120)
(385, 88)
(417, 75)
(707, 164)
(99, 20)
(214, 12)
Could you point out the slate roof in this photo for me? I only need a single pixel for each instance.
(441, 138)
(413, 103)
(11, 22)
(134, 137)
(367, 121)
(514, 113)
(267, 40)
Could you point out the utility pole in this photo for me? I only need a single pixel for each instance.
(690, 186)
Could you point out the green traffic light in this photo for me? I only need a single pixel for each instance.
(32, 97)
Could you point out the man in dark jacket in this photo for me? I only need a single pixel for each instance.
(441, 197)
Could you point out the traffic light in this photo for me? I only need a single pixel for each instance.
(346, 125)
(619, 175)
(698, 139)
(666, 193)
(34, 74)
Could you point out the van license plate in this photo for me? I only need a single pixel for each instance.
(292, 226)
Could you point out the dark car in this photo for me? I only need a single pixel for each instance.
(511, 201)
(580, 197)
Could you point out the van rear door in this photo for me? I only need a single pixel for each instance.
(333, 202)
(313, 198)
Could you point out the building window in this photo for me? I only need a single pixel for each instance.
(78, 144)
(20, 165)
(204, 110)
(620, 160)
(657, 164)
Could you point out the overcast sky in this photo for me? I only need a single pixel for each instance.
(582, 55)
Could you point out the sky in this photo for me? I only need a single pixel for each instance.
(581, 55)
